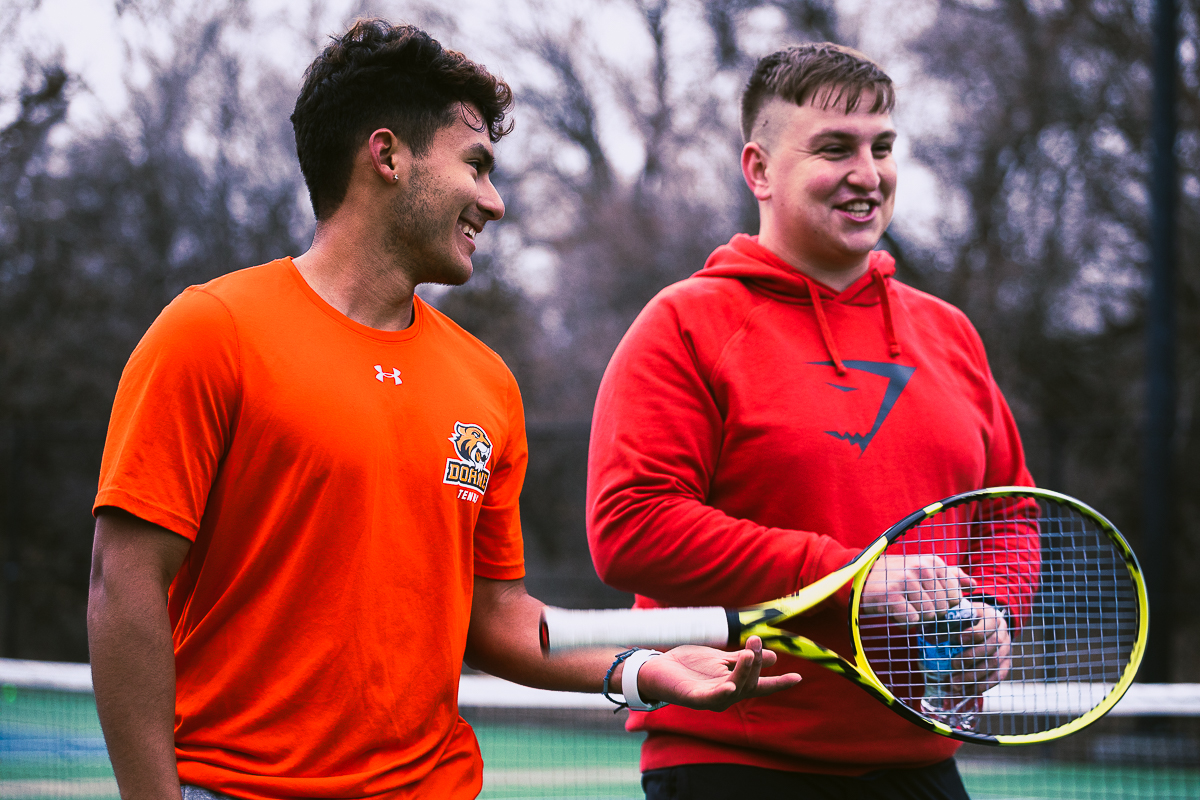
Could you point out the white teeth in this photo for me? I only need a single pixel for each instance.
(858, 209)
(468, 230)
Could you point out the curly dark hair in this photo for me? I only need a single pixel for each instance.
(379, 75)
(798, 74)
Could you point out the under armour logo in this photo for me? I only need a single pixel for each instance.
(394, 374)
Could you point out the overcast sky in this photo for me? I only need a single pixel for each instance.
(95, 43)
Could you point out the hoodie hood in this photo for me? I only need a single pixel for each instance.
(746, 260)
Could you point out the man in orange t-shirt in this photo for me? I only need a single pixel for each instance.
(307, 516)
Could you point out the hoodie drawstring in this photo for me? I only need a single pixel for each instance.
(824, 324)
(893, 342)
(827, 335)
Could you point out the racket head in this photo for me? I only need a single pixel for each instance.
(1071, 595)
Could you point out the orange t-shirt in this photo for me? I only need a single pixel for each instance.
(341, 486)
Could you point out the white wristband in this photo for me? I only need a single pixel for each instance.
(629, 677)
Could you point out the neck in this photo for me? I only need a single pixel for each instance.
(837, 275)
(353, 272)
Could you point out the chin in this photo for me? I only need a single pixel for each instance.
(862, 246)
(451, 277)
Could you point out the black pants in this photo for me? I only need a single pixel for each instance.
(723, 781)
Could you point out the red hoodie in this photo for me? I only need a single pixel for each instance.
(754, 431)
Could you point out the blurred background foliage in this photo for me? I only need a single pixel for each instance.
(1027, 127)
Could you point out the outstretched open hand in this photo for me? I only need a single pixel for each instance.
(708, 679)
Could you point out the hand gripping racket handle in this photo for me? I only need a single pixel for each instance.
(562, 629)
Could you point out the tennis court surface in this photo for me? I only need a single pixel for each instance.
(559, 745)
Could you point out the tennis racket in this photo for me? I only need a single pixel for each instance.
(1054, 574)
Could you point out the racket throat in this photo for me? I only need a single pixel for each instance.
(735, 630)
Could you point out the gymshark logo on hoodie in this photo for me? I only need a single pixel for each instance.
(897, 376)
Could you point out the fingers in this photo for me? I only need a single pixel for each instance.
(983, 669)
(987, 657)
(900, 610)
(753, 684)
(768, 656)
(887, 589)
(705, 678)
(747, 666)
(933, 587)
(927, 589)
(912, 590)
(776, 683)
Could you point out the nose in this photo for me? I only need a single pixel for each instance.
(864, 171)
(490, 202)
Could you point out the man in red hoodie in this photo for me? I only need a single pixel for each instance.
(765, 419)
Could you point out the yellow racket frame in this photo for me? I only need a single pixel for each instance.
(761, 620)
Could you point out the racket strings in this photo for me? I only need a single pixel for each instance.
(1041, 635)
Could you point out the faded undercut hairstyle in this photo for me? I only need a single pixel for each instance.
(831, 74)
(379, 75)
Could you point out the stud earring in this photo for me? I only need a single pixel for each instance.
(395, 177)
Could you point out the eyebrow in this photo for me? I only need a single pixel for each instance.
(478, 151)
(843, 136)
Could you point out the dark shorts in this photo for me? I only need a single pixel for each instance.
(721, 781)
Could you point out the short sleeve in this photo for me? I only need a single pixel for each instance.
(499, 550)
(173, 415)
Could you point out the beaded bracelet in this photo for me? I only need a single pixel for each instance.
(633, 700)
(608, 677)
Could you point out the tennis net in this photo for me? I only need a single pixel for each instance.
(559, 745)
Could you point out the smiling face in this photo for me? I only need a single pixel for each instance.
(826, 185)
(444, 202)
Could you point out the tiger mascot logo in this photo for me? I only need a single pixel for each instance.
(472, 444)
(474, 449)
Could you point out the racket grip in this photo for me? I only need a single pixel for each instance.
(563, 629)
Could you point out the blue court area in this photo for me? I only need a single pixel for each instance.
(51, 746)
